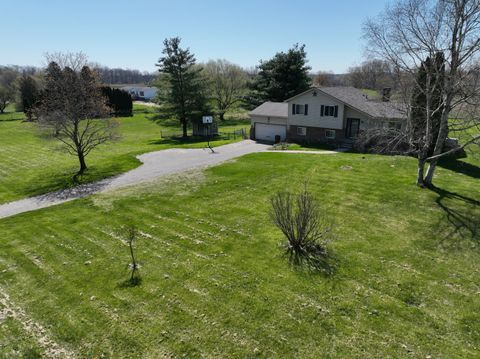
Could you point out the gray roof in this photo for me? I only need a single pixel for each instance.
(271, 109)
(358, 100)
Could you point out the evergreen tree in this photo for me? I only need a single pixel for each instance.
(119, 101)
(424, 120)
(29, 95)
(182, 90)
(283, 76)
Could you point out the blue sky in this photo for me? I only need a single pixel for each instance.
(129, 34)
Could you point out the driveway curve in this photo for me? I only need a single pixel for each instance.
(155, 164)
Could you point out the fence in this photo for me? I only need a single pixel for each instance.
(241, 133)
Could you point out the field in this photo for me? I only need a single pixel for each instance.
(31, 164)
(215, 282)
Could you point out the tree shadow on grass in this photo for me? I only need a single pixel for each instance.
(465, 168)
(130, 282)
(462, 218)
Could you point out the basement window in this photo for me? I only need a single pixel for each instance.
(330, 134)
(301, 131)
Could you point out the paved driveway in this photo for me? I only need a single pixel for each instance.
(155, 164)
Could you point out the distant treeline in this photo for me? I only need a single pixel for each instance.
(123, 76)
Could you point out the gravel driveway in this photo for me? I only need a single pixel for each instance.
(155, 164)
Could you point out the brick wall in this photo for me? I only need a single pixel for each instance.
(314, 135)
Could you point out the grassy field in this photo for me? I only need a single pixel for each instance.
(31, 164)
(215, 283)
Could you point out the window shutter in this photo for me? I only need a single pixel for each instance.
(336, 111)
(322, 108)
(293, 109)
(306, 109)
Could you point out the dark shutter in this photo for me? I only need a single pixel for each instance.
(306, 109)
(322, 108)
(336, 111)
(293, 109)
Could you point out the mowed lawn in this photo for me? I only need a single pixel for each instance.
(215, 282)
(32, 164)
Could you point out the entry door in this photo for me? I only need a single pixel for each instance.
(353, 127)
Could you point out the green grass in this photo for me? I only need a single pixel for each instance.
(215, 283)
(31, 164)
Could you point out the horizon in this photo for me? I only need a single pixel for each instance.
(74, 27)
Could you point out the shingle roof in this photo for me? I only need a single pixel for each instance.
(358, 100)
(271, 109)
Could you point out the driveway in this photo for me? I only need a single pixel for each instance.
(155, 164)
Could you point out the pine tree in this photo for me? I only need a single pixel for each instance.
(426, 109)
(182, 90)
(29, 95)
(283, 76)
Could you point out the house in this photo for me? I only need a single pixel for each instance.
(324, 114)
(142, 93)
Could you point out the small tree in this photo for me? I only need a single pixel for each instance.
(29, 95)
(182, 89)
(228, 84)
(72, 104)
(131, 233)
(7, 87)
(301, 221)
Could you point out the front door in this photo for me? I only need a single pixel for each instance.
(353, 128)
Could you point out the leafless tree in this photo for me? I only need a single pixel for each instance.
(73, 106)
(74, 60)
(324, 78)
(409, 32)
(228, 84)
(372, 74)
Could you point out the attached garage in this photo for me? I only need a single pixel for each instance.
(270, 120)
(268, 132)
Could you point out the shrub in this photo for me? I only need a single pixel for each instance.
(119, 101)
(300, 220)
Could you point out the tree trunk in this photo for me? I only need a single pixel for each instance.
(420, 172)
(83, 165)
(184, 128)
(430, 172)
(222, 116)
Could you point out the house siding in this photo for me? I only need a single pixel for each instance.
(313, 118)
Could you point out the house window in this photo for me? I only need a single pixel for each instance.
(301, 131)
(329, 111)
(299, 109)
(330, 134)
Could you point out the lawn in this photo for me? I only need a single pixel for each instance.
(32, 164)
(215, 282)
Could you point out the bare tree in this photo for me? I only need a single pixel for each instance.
(228, 84)
(372, 74)
(324, 78)
(73, 106)
(74, 60)
(411, 31)
(131, 234)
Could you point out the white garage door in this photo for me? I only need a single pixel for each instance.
(267, 132)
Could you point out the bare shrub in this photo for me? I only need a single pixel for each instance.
(300, 219)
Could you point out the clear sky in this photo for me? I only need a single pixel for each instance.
(129, 34)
